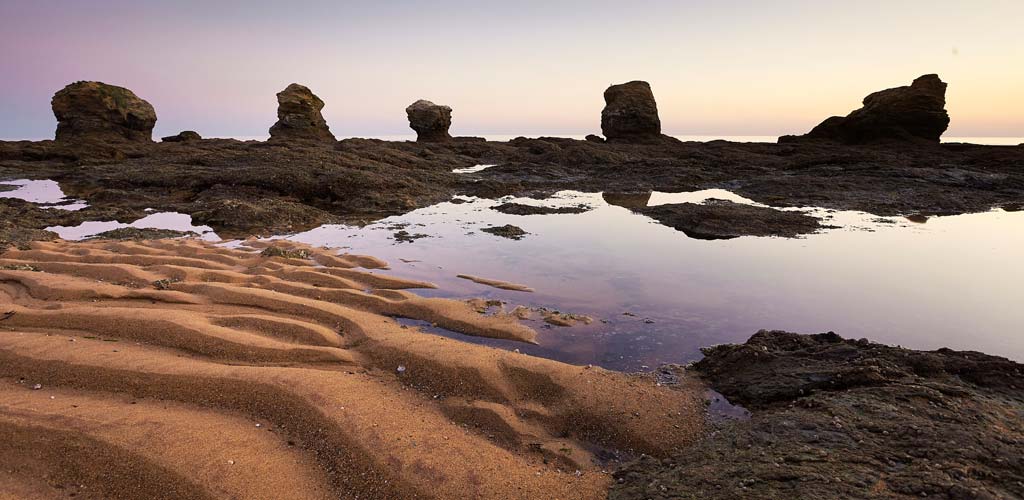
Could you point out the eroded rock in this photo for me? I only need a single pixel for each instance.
(299, 117)
(184, 136)
(914, 112)
(95, 111)
(430, 121)
(630, 113)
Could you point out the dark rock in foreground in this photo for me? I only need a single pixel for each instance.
(137, 234)
(185, 136)
(507, 231)
(521, 209)
(430, 121)
(837, 419)
(915, 112)
(630, 114)
(299, 117)
(721, 219)
(95, 111)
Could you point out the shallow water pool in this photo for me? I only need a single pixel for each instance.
(658, 295)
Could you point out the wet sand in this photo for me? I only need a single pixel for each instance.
(180, 369)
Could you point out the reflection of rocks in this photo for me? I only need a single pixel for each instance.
(430, 121)
(185, 136)
(521, 209)
(630, 113)
(721, 219)
(835, 418)
(137, 234)
(101, 112)
(507, 231)
(299, 117)
(631, 201)
(902, 113)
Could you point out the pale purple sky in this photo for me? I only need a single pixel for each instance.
(526, 67)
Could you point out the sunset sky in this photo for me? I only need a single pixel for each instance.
(525, 67)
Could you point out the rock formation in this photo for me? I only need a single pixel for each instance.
(630, 113)
(298, 116)
(915, 112)
(184, 136)
(430, 121)
(101, 112)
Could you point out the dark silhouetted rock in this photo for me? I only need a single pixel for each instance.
(100, 112)
(594, 138)
(722, 219)
(632, 201)
(185, 136)
(630, 113)
(298, 116)
(915, 112)
(430, 121)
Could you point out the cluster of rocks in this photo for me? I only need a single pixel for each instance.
(95, 111)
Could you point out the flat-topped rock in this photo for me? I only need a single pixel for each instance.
(184, 136)
(430, 121)
(630, 113)
(99, 112)
(914, 112)
(299, 117)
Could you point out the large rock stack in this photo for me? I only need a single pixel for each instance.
(630, 114)
(298, 116)
(915, 112)
(430, 121)
(97, 112)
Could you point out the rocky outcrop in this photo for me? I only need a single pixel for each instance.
(184, 136)
(298, 116)
(915, 112)
(430, 121)
(630, 114)
(722, 219)
(95, 111)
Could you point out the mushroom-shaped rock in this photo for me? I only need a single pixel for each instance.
(298, 116)
(914, 112)
(97, 111)
(430, 121)
(630, 113)
(184, 136)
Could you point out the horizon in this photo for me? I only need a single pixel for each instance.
(513, 70)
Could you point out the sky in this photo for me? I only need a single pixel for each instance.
(726, 67)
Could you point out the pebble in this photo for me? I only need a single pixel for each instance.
(37, 387)
(401, 368)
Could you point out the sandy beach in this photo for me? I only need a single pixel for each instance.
(176, 368)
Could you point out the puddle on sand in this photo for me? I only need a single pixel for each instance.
(160, 220)
(44, 192)
(658, 296)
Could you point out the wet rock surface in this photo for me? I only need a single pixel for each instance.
(507, 231)
(914, 112)
(722, 219)
(430, 121)
(630, 114)
(138, 234)
(839, 418)
(242, 188)
(522, 209)
(299, 117)
(95, 111)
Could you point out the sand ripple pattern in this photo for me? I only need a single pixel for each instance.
(178, 369)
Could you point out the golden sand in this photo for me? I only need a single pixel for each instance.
(175, 369)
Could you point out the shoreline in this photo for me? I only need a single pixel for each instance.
(297, 348)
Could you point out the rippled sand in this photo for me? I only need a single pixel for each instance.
(176, 368)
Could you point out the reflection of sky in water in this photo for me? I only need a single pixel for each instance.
(953, 281)
(160, 220)
(45, 192)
